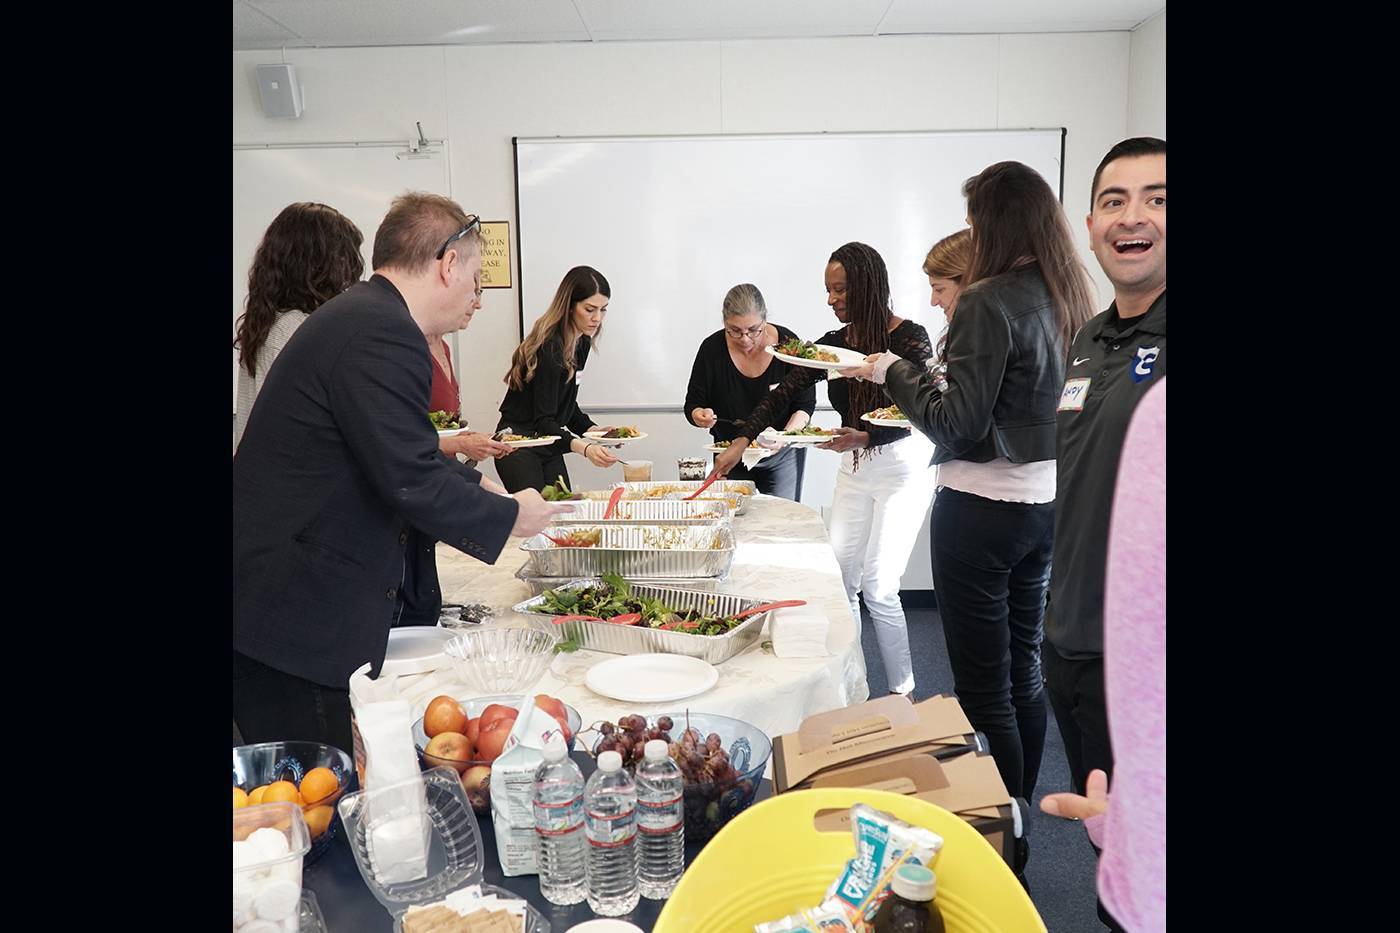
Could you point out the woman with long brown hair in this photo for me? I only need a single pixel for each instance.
(542, 393)
(884, 483)
(309, 254)
(993, 422)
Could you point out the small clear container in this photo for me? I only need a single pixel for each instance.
(267, 874)
(452, 842)
(689, 468)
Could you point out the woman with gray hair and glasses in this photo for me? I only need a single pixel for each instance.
(732, 374)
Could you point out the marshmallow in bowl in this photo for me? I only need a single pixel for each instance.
(245, 853)
(262, 926)
(277, 899)
(271, 843)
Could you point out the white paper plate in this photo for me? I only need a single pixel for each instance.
(772, 435)
(415, 649)
(845, 358)
(751, 454)
(534, 441)
(887, 422)
(612, 441)
(651, 678)
(453, 432)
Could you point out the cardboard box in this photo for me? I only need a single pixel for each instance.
(967, 784)
(888, 727)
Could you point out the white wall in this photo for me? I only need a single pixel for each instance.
(1147, 79)
(480, 96)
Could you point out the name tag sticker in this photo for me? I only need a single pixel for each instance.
(1072, 398)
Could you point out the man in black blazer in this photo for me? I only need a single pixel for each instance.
(338, 463)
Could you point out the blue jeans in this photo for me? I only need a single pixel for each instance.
(991, 570)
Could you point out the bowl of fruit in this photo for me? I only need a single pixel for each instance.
(721, 759)
(309, 774)
(469, 734)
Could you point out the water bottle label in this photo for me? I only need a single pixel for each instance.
(610, 830)
(558, 819)
(659, 816)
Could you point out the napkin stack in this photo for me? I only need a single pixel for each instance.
(798, 632)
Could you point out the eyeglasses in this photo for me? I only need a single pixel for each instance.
(754, 331)
(472, 221)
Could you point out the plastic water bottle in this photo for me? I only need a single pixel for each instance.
(610, 820)
(660, 822)
(559, 835)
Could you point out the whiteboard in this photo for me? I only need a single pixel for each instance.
(674, 222)
(357, 180)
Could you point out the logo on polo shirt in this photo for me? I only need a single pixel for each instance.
(1142, 367)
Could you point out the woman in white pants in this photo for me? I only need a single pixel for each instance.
(885, 482)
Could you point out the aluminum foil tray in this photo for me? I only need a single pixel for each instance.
(649, 510)
(634, 549)
(736, 492)
(539, 584)
(632, 639)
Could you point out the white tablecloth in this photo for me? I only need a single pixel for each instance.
(782, 553)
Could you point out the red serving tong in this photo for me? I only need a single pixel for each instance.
(613, 500)
(628, 618)
(559, 620)
(703, 487)
(781, 604)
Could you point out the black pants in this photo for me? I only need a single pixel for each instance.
(1076, 691)
(779, 474)
(529, 469)
(991, 568)
(270, 706)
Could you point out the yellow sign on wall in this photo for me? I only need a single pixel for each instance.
(495, 254)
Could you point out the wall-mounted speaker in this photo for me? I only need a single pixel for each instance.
(279, 90)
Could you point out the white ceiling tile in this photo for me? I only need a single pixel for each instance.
(418, 22)
(1004, 16)
(729, 19)
(252, 30)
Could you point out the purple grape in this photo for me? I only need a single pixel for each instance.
(665, 723)
(606, 728)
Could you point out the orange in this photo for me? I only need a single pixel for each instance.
(318, 820)
(240, 798)
(318, 784)
(256, 796)
(281, 790)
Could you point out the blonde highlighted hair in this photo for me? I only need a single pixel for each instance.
(580, 284)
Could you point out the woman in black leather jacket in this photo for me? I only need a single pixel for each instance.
(993, 425)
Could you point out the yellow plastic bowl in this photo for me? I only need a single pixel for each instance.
(770, 861)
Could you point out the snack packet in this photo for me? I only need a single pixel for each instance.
(824, 919)
(881, 841)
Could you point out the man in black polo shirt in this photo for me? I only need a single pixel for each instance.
(1114, 360)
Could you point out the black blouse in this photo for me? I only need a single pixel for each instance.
(715, 382)
(909, 340)
(549, 402)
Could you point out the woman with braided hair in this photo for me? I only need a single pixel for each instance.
(885, 481)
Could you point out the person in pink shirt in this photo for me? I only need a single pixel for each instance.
(1131, 824)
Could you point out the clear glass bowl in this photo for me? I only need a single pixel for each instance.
(501, 659)
(709, 806)
(475, 706)
(255, 765)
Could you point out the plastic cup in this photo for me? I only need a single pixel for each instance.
(636, 471)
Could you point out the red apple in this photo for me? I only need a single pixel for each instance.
(492, 739)
(452, 749)
(556, 709)
(444, 714)
(473, 729)
(496, 711)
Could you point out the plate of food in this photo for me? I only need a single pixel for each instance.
(808, 435)
(615, 437)
(816, 355)
(446, 423)
(890, 417)
(527, 440)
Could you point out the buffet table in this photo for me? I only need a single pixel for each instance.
(782, 553)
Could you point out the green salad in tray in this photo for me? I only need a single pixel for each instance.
(613, 598)
(560, 492)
